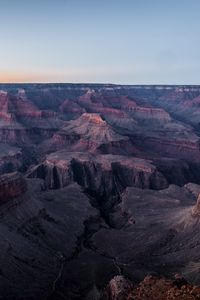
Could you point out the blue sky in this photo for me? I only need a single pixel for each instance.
(121, 41)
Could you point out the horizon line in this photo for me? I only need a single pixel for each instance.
(100, 83)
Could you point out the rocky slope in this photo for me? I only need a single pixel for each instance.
(39, 234)
(138, 247)
(152, 288)
(12, 185)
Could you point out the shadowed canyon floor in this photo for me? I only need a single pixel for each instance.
(99, 187)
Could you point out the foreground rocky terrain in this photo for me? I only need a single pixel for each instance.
(99, 185)
(152, 288)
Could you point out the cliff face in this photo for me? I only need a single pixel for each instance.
(181, 101)
(11, 158)
(21, 120)
(71, 109)
(13, 107)
(196, 209)
(12, 185)
(105, 174)
(171, 147)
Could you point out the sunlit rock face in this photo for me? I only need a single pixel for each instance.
(90, 132)
(99, 187)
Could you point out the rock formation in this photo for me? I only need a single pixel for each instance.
(118, 288)
(11, 158)
(21, 121)
(105, 174)
(12, 185)
(110, 195)
(196, 209)
(89, 133)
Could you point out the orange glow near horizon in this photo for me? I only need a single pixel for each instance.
(67, 75)
(20, 77)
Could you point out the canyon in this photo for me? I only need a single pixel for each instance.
(99, 191)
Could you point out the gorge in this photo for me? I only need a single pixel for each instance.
(99, 188)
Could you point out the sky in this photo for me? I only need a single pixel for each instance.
(105, 41)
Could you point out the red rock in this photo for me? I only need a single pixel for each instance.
(105, 174)
(20, 119)
(183, 147)
(89, 133)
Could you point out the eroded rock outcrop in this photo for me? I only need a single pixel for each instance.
(11, 158)
(12, 185)
(104, 174)
(21, 122)
(182, 147)
(71, 109)
(89, 133)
